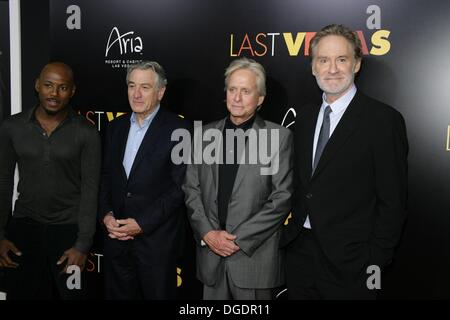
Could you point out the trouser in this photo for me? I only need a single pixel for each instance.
(310, 275)
(226, 289)
(38, 276)
(130, 275)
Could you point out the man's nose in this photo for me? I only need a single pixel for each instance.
(137, 93)
(333, 67)
(54, 91)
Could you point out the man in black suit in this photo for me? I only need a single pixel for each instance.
(141, 199)
(350, 180)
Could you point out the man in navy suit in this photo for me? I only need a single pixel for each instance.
(141, 200)
(350, 177)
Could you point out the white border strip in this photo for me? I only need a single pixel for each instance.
(15, 44)
(16, 56)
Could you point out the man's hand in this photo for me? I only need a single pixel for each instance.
(5, 260)
(125, 229)
(221, 242)
(112, 225)
(73, 257)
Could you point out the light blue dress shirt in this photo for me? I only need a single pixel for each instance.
(135, 137)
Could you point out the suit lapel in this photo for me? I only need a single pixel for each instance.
(150, 140)
(215, 167)
(124, 130)
(306, 129)
(346, 126)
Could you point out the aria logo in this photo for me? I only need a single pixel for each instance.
(127, 42)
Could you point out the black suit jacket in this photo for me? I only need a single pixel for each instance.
(356, 197)
(152, 194)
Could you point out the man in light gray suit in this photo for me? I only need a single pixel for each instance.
(237, 204)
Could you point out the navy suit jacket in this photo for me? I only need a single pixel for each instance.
(152, 193)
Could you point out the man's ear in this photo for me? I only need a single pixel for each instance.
(161, 93)
(357, 66)
(36, 85)
(260, 101)
(74, 88)
(312, 68)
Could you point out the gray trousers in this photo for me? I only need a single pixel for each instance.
(225, 289)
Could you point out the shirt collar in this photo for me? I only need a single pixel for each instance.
(31, 114)
(342, 103)
(146, 121)
(247, 124)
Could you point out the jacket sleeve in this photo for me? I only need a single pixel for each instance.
(163, 208)
(193, 196)
(90, 174)
(104, 202)
(166, 206)
(390, 149)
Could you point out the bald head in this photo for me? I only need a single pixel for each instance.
(55, 87)
(59, 67)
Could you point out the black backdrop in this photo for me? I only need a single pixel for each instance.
(4, 60)
(195, 40)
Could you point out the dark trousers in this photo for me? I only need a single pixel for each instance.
(129, 275)
(310, 275)
(38, 276)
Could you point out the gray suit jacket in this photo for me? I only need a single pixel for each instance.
(257, 209)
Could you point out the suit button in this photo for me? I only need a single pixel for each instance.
(128, 194)
(309, 196)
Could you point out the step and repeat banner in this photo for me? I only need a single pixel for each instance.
(406, 64)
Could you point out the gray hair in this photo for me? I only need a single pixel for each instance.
(161, 79)
(337, 30)
(252, 65)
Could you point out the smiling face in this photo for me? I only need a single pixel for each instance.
(55, 88)
(143, 92)
(243, 97)
(334, 66)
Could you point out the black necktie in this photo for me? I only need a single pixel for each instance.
(324, 135)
